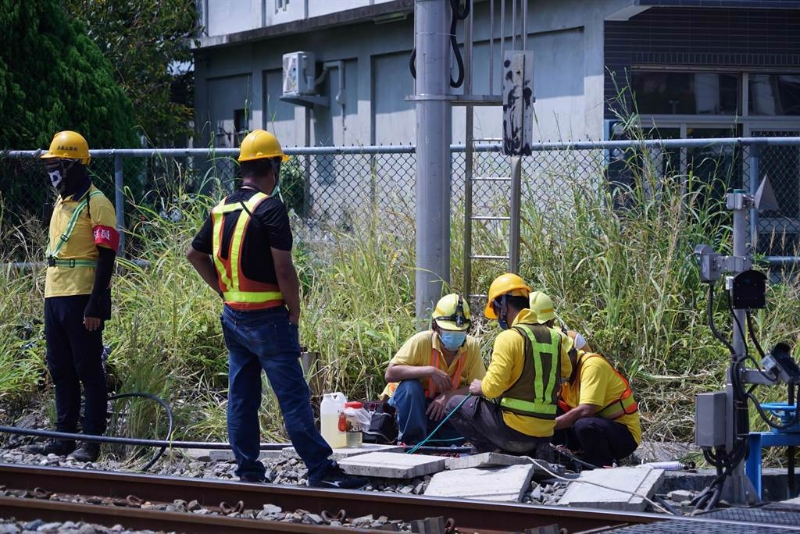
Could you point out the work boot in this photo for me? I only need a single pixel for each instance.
(87, 452)
(338, 479)
(59, 447)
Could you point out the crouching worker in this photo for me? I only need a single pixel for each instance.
(513, 409)
(601, 421)
(430, 368)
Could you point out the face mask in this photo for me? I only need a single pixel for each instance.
(580, 341)
(452, 340)
(503, 323)
(55, 177)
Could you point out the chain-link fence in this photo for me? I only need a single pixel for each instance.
(327, 187)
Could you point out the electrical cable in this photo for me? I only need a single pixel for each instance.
(170, 418)
(710, 313)
(458, 14)
(416, 447)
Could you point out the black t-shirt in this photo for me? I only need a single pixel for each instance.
(269, 229)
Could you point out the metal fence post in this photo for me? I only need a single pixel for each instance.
(119, 203)
(753, 162)
(514, 214)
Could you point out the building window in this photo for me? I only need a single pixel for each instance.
(281, 5)
(686, 93)
(774, 94)
(239, 126)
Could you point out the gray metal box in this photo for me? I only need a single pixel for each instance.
(710, 419)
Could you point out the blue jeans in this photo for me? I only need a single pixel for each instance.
(412, 422)
(265, 339)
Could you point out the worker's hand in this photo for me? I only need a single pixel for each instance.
(440, 379)
(475, 387)
(435, 411)
(92, 323)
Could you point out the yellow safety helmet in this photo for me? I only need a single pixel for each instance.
(542, 306)
(68, 145)
(260, 144)
(508, 283)
(452, 313)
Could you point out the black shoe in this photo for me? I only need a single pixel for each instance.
(87, 452)
(253, 479)
(336, 478)
(59, 447)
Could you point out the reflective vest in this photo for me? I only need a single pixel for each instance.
(455, 380)
(535, 393)
(239, 292)
(625, 405)
(52, 252)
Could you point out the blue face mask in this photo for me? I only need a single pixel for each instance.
(503, 323)
(452, 340)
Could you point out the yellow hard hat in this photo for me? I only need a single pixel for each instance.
(508, 283)
(260, 144)
(542, 306)
(68, 145)
(452, 313)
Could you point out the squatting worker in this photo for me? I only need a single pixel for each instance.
(243, 251)
(601, 423)
(80, 262)
(431, 367)
(514, 407)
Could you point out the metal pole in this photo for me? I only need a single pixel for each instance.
(119, 203)
(753, 188)
(737, 489)
(469, 133)
(434, 134)
(514, 214)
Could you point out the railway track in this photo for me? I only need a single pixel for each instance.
(124, 493)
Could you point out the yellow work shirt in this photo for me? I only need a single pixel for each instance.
(599, 385)
(62, 280)
(508, 359)
(417, 351)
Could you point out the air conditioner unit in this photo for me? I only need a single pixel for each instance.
(299, 73)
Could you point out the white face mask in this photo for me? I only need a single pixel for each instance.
(55, 177)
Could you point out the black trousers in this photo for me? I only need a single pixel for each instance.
(75, 358)
(600, 441)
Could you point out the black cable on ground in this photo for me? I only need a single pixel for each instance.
(170, 418)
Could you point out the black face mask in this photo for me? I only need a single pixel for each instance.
(67, 176)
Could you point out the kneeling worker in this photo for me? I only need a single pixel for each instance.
(602, 417)
(514, 407)
(431, 367)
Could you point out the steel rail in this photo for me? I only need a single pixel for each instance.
(468, 515)
(134, 518)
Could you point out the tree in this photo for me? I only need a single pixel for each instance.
(148, 42)
(53, 77)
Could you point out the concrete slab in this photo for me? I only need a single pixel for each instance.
(347, 452)
(392, 465)
(496, 459)
(621, 488)
(504, 484)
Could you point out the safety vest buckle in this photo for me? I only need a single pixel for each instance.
(51, 261)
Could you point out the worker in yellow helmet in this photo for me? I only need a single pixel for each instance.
(600, 420)
(80, 263)
(529, 360)
(431, 367)
(542, 306)
(244, 253)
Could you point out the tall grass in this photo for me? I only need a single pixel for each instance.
(622, 274)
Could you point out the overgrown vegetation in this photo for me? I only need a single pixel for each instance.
(617, 262)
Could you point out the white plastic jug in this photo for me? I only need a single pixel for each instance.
(330, 409)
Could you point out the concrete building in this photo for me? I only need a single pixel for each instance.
(699, 67)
